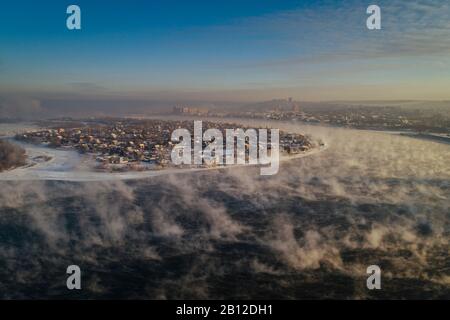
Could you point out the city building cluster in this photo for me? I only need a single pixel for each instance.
(134, 143)
(179, 110)
(431, 119)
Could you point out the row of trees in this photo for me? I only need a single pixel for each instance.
(11, 156)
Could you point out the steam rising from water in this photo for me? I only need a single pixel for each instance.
(308, 232)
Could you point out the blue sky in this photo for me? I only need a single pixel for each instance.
(227, 50)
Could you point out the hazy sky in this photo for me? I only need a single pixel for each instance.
(227, 50)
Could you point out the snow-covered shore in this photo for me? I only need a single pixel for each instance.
(69, 165)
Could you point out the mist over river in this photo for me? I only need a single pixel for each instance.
(308, 232)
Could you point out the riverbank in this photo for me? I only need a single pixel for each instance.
(69, 165)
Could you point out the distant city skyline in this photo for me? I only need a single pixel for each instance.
(226, 51)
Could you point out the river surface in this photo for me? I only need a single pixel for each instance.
(309, 232)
